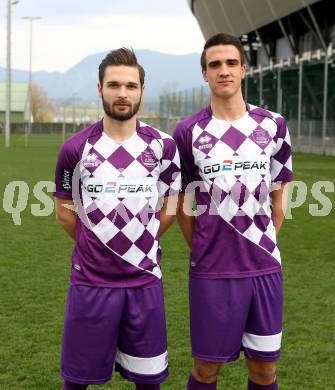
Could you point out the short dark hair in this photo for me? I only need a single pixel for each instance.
(122, 56)
(221, 39)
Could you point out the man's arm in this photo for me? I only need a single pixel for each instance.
(185, 216)
(168, 213)
(66, 216)
(279, 204)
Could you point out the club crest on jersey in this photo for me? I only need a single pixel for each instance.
(91, 161)
(148, 158)
(261, 136)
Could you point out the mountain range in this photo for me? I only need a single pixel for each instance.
(164, 72)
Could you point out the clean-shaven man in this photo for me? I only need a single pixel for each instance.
(236, 157)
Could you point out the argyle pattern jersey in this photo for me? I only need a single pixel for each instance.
(232, 167)
(118, 187)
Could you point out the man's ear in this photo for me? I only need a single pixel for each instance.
(244, 70)
(204, 75)
(99, 89)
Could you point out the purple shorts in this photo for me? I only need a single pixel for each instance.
(125, 326)
(230, 315)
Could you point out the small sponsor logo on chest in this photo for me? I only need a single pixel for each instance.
(91, 161)
(205, 142)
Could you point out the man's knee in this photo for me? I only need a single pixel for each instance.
(205, 372)
(263, 373)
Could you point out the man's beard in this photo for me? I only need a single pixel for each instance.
(121, 116)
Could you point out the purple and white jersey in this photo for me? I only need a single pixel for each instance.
(232, 167)
(117, 187)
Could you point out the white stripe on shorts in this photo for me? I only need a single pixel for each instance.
(144, 366)
(262, 343)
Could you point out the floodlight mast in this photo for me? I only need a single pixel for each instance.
(31, 19)
(8, 74)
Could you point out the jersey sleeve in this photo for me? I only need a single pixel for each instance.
(281, 159)
(184, 143)
(169, 182)
(66, 164)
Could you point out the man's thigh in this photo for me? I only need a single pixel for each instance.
(142, 345)
(218, 314)
(91, 327)
(263, 331)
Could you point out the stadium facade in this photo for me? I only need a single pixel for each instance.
(289, 49)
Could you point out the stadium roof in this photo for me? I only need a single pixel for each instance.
(240, 17)
(19, 97)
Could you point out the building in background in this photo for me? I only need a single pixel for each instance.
(289, 49)
(19, 103)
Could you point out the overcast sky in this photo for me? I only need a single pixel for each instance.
(73, 29)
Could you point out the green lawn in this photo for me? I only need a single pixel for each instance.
(34, 270)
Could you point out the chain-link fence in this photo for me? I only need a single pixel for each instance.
(45, 134)
(301, 89)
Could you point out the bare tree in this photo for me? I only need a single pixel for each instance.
(40, 108)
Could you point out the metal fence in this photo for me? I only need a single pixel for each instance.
(302, 89)
(43, 134)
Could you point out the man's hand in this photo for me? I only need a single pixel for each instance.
(279, 204)
(66, 216)
(168, 213)
(185, 216)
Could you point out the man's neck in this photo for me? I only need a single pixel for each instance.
(228, 109)
(119, 131)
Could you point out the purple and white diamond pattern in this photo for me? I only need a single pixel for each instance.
(114, 220)
(244, 201)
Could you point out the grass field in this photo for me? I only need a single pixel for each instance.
(34, 271)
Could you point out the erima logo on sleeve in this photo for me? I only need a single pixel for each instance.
(66, 180)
